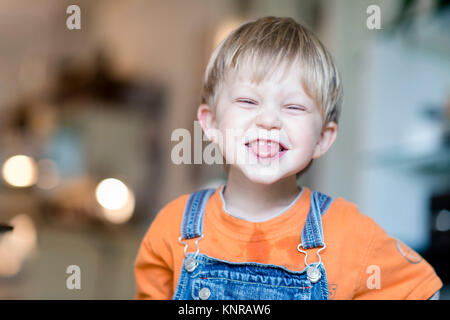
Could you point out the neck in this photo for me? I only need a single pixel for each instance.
(252, 200)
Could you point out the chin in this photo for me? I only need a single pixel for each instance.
(262, 175)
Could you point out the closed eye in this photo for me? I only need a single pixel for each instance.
(246, 101)
(296, 107)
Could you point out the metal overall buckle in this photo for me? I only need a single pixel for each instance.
(312, 271)
(190, 263)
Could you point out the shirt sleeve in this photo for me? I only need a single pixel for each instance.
(153, 267)
(392, 270)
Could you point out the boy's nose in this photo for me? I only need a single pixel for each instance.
(268, 119)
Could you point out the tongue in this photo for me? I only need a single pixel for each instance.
(265, 151)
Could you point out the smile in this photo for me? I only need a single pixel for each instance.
(266, 149)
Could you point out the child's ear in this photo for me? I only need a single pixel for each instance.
(205, 116)
(326, 140)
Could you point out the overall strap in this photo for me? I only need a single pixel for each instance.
(192, 224)
(312, 233)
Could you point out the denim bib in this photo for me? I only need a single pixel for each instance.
(203, 277)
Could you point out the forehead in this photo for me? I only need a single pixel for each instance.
(284, 78)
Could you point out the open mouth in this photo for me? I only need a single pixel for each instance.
(266, 149)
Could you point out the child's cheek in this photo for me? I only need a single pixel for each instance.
(230, 136)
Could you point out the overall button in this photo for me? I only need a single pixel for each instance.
(204, 293)
(190, 264)
(313, 274)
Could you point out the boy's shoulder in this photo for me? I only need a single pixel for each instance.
(172, 210)
(343, 206)
(167, 221)
(347, 215)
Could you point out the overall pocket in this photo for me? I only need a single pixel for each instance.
(231, 285)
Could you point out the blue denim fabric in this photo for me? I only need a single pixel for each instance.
(248, 281)
(227, 280)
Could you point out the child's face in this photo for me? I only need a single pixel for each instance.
(276, 109)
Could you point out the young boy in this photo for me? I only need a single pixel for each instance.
(273, 85)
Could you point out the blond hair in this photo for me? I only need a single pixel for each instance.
(265, 44)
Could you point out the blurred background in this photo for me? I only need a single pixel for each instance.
(86, 118)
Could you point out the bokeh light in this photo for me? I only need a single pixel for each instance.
(117, 200)
(20, 171)
(122, 214)
(111, 194)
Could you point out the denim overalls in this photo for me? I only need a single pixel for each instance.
(203, 277)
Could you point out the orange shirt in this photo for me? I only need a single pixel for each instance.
(361, 260)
